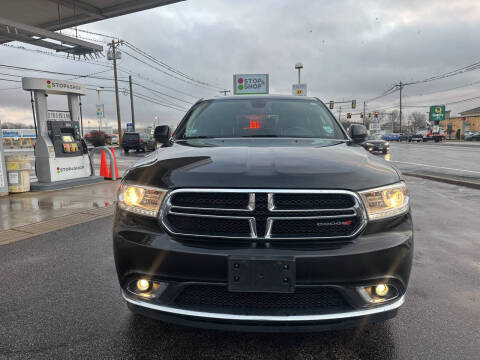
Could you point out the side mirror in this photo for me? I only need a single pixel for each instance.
(358, 133)
(162, 134)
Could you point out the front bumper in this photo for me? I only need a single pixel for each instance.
(382, 253)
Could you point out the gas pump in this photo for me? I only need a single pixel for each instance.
(61, 155)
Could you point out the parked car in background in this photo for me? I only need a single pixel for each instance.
(133, 141)
(416, 138)
(403, 137)
(390, 137)
(151, 144)
(375, 143)
(114, 139)
(472, 136)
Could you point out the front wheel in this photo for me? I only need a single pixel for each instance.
(385, 151)
(126, 150)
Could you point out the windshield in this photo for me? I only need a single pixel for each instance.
(261, 118)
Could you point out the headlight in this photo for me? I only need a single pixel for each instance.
(387, 144)
(143, 200)
(387, 201)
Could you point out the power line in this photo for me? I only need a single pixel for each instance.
(168, 67)
(10, 80)
(127, 71)
(146, 98)
(55, 72)
(109, 66)
(98, 34)
(18, 68)
(468, 68)
(161, 93)
(164, 72)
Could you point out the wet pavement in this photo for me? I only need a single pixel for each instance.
(60, 299)
(437, 159)
(27, 208)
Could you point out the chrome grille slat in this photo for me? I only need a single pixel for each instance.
(270, 214)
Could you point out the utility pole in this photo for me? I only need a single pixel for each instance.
(131, 101)
(400, 115)
(339, 113)
(119, 121)
(364, 113)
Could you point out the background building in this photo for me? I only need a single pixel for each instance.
(468, 120)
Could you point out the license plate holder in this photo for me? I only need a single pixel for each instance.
(260, 274)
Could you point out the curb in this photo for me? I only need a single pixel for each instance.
(469, 184)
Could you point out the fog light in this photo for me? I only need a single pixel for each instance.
(381, 290)
(143, 285)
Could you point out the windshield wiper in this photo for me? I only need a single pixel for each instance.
(257, 135)
(197, 137)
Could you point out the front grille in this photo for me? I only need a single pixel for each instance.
(209, 226)
(313, 228)
(211, 200)
(261, 214)
(313, 201)
(304, 301)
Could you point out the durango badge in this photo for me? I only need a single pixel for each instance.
(333, 223)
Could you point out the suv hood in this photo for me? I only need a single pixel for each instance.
(263, 163)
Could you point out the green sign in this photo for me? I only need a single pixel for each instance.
(437, 112)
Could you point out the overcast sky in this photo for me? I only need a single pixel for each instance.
(349, 49)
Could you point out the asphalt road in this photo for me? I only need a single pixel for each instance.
(441, 159)
(59, 298)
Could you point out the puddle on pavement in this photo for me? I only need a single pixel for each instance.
(27, 208)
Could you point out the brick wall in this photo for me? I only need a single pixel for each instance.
(459, 123)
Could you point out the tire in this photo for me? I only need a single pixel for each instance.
(126, 150)
(385, 151)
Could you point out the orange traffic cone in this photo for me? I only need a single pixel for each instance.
(114, 163)
(103, 166)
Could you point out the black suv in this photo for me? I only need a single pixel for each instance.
(133, 140)
(262, 214)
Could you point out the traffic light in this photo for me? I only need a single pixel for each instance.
(354, 104)
(369, 115)
(361, 115)
(376, 114)
(349, 115)
(331, 105)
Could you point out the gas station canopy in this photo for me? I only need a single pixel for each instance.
(34, 21)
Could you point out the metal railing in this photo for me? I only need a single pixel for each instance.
(110, 155)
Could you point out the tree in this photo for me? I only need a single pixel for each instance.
(346, 123)
(418, 121)
(386, 121)
(97, 138)
(14, 125)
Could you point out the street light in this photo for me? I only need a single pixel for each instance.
(299, 66)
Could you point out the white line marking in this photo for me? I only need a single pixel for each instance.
(438, 167)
